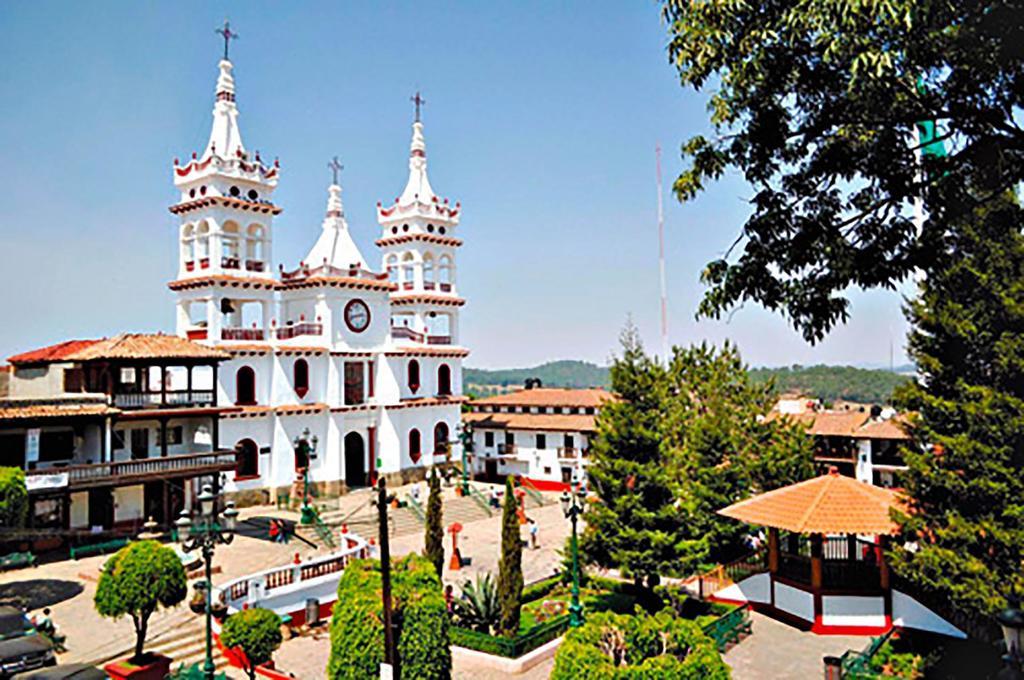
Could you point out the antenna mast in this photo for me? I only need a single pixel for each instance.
(661, 260)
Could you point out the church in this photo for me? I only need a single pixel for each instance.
(350, 367)
(334, 371)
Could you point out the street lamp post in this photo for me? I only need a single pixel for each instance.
(206, 533)
(466, 437)
(572, 506)
(1011, 620)
(389, 667)
(305, 446)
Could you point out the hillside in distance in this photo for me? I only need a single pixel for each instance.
(827, 383)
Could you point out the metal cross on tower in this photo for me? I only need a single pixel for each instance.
(418, 101)
(228, 36)
(335, 167)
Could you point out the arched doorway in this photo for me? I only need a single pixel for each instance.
(247, 457)
(444, 380)
(441, 439)
(355, 460)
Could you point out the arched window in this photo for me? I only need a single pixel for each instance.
(444, 380)
(428, 271)
(230, 251)
(254, 248)
(245, 386)
(415, 450)
(392, 266)
(445, 272)
(408, 270)
(203, 241)
(300, 377)
(188, 243)
(440, 439)
(247, 457)
(414, 375)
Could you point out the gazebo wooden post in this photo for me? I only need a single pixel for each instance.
(884, 578)
(817, 549)
(773, 550)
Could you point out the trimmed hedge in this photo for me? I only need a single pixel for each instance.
(642, 642)
(357, 628)
(510, 647)
(539, 589)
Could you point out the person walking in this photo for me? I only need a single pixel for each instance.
(273, 530)
(534, 530)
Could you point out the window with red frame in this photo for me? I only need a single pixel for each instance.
(444, 380)
(414, 375)
(245, 386)
(441, 439)
(247, 462)
(300, 377)
(415, 449)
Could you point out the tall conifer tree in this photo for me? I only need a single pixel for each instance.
(510, 567)
(433, 540)
(964, 531)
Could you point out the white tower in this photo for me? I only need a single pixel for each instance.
(418, 247)
(224, 286)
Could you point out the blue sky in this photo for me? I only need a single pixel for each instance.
(541, 118)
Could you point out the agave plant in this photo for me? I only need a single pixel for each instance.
(478, 607)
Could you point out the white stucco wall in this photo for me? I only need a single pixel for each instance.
(796, 602)
(843, 610)
(909, 613)
(128, 503)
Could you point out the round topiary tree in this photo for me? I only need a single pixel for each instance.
(419, 613)
(139, 579)
(13, 498)
(256, 633)
(626, 647)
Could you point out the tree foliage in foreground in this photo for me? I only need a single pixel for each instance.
(966, 476)
(256, 633)
(679, 444)
(433, 540)
(13, 498)
(357, 628)
(139, 579)
(624, 647)
(510, 565)
(820, 105)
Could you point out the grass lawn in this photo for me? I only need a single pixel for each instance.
(556, 603)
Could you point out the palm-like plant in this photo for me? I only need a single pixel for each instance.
(478, 608)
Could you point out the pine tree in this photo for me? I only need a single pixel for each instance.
(433, 540)
(510, 567)
(964, 529)
(676, 446)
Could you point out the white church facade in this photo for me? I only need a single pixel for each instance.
(359, 359)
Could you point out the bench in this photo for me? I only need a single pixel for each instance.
(97, 548)
(17, 560)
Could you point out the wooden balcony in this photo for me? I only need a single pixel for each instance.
(137, 471)
(165, 399)
(241, 334)
(439, 339)
(406, 333)
(230, 262)
(568, 453)
(255, 265)
(508, 450)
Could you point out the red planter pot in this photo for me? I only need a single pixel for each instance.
(155, 667)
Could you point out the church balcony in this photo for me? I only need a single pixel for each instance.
(295, 330)
(196, 334)
(241, 334)
(408, 285)
(204, 263)
(166, 398)
(190, 265)
(133, 471)
(445, 287)
(429, 285)
(439, 339)
(255, 265)
(228, 262)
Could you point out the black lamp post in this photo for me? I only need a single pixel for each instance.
(464, 436)
(572, 506)
(210, 529)
(305, 446)
(382, 502)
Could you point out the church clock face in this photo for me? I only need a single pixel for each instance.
(357, 316)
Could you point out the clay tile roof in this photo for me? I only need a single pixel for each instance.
(830, 504)
(146, 346)
(552, 422)
(23, 411)
(549, 396)
(57, 352)
(893, 428)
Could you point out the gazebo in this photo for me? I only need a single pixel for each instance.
(826, 567)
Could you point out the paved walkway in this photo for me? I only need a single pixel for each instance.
(776, 651)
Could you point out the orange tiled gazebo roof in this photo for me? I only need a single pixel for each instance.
(830, 504)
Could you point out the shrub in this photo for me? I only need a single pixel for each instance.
(627, 647)
(13, 498)
(478, 608)
(139, 579)
(433, 540)
(418, 609)
(256, 633)
(539, 589)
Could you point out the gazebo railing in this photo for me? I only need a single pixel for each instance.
(850, 575)
(795, 567)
